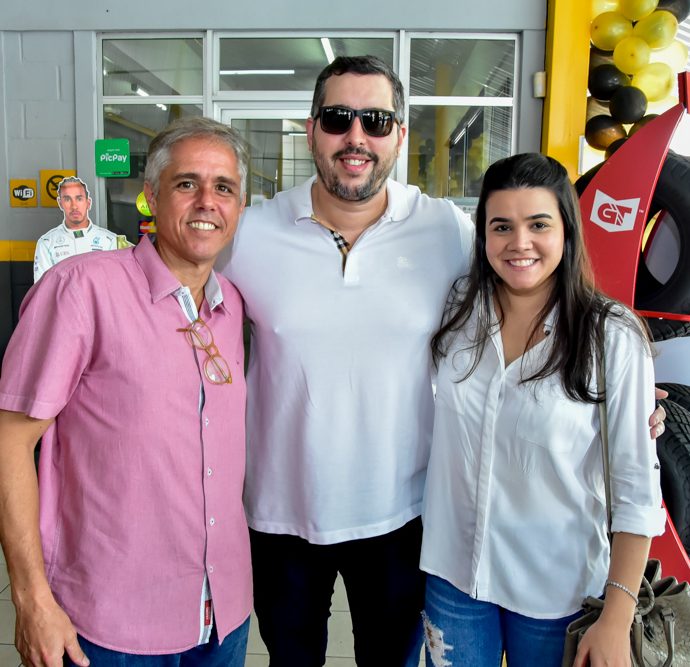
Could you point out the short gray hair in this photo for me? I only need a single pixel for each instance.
(193, 128)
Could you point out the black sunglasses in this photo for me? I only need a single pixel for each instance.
(338, 120)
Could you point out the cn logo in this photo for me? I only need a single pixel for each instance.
(612, 215)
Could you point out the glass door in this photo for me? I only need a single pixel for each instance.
(280, 158)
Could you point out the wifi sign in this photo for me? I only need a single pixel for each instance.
(23, 193)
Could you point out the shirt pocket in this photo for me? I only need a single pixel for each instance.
(552, 421)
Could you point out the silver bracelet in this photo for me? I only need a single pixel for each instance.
(625, 589)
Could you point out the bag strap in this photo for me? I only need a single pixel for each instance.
(603, 418)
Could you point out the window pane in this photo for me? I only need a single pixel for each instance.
(280, 158)
(153, 66)
(139, 123)
(451, 147)
(301, 60)
(462, 67)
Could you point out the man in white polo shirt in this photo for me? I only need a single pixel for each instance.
(344, 278)
(76, 234)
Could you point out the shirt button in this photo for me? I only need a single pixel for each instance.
(210, 569)
(206, 421)
(212, 521)
(209, 472)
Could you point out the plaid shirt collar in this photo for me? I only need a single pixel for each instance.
(340, 241)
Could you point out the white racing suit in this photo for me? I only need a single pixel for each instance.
(61, 242)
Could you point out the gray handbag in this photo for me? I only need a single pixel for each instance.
(660, 631)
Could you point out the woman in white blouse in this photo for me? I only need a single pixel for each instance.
(514, 510)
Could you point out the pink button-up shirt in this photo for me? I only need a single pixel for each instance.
(140, 490)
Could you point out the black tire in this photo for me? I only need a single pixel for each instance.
(667, 329)
(672, 194)
(678, 393)
(673, 449)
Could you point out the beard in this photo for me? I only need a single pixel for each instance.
(325, 168)
(76, 221)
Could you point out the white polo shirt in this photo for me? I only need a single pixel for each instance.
(62, 242)
(514, 508)
(340, 405)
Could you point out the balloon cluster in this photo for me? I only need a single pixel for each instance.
(634, 60)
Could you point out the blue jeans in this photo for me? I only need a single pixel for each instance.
(460, 630)
(293, 586)
(231, 653)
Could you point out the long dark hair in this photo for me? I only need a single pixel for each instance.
(576, 335)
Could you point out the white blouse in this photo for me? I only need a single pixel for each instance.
(514, 507)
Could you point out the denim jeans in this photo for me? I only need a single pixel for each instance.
(293, 586)
(231, 653)
(460, 630)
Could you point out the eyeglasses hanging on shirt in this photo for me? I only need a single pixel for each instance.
(200, 336)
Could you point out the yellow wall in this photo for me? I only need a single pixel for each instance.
(567, 65)
(17, 251)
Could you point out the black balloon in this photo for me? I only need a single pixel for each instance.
(614, 146)
(679, 8)
(605, 80)
(601, 131)
(641, 123)
(628, 104)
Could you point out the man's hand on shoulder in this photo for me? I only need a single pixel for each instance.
(656, 420)
(44, 633)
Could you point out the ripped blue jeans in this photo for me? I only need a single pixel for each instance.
(461, 631)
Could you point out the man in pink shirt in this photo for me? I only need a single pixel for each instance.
(129, 364)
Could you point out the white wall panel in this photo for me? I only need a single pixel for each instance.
(276, 15)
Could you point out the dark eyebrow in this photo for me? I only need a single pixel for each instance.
(229, 181)
(536, 216)
(185, 174)
(192, 175)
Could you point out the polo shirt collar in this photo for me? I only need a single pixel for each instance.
(161, 280)
(300, 203)
(301, 207)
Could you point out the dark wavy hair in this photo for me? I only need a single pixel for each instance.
(580, 305)
(359, 65)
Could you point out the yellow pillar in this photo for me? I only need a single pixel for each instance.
(567, 66)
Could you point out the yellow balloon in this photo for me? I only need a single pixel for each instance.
(658, 29)
(663, 105)
(637, 9)
(631, 54)
(608, 29)
(655, 81)
(601, 6)
(675, 55)
(143, 205)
